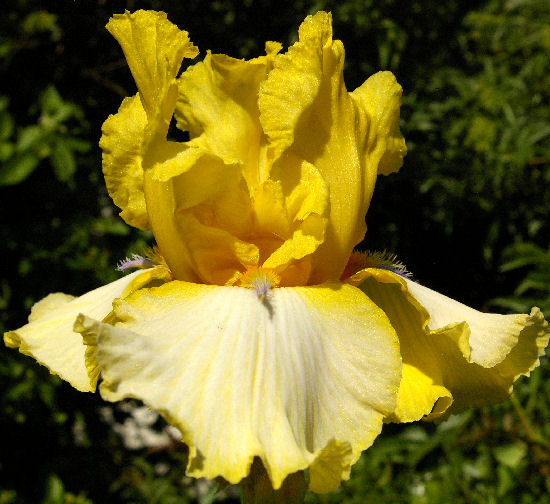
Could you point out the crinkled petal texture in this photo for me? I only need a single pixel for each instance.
(121, 143)
(154, 49)
(49, 337)
(454, 357)
(306, 110)
(301, 379)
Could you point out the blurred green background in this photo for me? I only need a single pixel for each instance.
(468, 214)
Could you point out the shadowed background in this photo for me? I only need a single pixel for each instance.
(468, 215)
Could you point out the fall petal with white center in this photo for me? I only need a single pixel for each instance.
(301, 378)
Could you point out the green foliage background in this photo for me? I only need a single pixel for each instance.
(468, 214)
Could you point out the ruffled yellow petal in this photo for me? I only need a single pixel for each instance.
(491, 337)
(331, 466)
(440, 340)
(306, 110)
(422, 390)
(148, 278)
(217, 104)
(154, 49)
(121, 143)
(302, 378)
(378, 101)
(49, 336)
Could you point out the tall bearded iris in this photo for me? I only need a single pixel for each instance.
(254, 329)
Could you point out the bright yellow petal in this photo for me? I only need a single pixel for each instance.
(305, 109)
(217, 103)
(302, 378)
(208, 190)
(121, 143)
(331, 466)
(378, 101)
(270, 214)
(303, 206)
(49, 336)
(422, 389)
(217, 256)
(154, 49)
(454, 357)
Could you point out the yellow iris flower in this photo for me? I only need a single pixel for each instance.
(255, 331)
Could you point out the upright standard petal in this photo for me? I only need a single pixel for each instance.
(305, 209)
(446, 347)
(154, 49)
(170, 203)
(49, 337)
(122, 146)
(302, 378)
(305, 109)
(378, 101)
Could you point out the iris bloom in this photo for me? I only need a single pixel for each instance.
(254, 329)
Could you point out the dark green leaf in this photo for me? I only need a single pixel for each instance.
(30, 138)
(6, 125)
(17, 169)
(62, 160)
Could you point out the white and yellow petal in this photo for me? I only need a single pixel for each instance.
(49, 337)
(302, 378)
(454, 357)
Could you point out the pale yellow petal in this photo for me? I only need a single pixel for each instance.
(331, 466)
(438, 347)
(491, 337)
(49, 337)
(378, 101)
(302, 378)
(422, 387)
(121, 143)
(154, 49)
